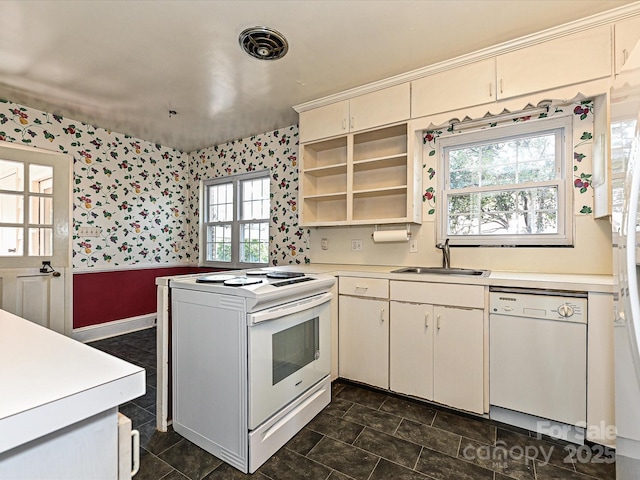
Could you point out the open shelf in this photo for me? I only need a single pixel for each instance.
(359, 178)
(327, 153)
(397, 160)
(338, 169)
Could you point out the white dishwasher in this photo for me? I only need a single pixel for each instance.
(538, 354)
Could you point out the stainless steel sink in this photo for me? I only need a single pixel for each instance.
(444, 271)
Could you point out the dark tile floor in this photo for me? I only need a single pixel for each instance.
(364, 435)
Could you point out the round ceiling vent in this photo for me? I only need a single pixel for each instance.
(263, 43)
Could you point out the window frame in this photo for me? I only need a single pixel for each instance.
(235, 181)
(562, 126)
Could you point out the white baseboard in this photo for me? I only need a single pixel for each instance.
(111, 329)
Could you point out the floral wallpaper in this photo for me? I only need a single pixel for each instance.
(144, 197)
(276, 151)
(582, 162)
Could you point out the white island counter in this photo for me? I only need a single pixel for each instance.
(59, 404)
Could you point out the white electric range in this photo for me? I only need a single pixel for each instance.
(250, 360)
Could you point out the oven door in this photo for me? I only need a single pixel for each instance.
(288, 353)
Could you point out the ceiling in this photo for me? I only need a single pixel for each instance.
(123, 65)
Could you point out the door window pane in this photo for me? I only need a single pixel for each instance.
(11, 242)
(40, 242)
(11, 208)
(40, 178)
(294, 348)
(41, 211)
(11, 175)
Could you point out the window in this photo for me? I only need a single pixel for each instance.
(508, 185)
(235, 225)
(26, 209)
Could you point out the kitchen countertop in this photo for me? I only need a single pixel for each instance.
(49, 381)
(555, 281)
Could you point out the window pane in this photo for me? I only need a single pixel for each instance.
(41, 212)
(218, 243)
(527, 159)
(11, 175)
(255, 199)
(40, 242)
(40, 178)
(220, 203)
(11, 208)
(11, 243)
(509, 212)
(254, 242)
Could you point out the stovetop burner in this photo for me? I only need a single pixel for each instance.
(284, 274)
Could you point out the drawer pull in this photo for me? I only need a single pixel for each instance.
(382, 315)
(361, 287)
(490, 89)
(426, 320)
(438, 322)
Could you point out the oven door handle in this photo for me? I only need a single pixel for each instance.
(290, 308)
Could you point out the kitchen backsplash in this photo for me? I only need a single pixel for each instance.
(144, 197)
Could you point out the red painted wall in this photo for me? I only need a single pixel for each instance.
(103, 297)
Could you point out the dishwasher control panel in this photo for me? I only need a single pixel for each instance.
(552, 307)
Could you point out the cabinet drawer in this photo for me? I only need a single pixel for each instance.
(470, 296)
(364, 287)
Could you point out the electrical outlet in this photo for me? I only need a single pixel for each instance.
(356, 245)
(85, 232)
(324, 244)
(413, 245)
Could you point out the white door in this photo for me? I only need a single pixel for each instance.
(458, 358)
(364, 340)
(411, 349)
(34, 228)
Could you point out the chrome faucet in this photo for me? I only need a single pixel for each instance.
(446, 253)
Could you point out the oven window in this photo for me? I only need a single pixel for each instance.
(294, 348)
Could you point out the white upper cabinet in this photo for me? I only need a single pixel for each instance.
(627, 34)
(382, 107)
(379, 108)
(323, 122)
(567, 60)
(460, 87)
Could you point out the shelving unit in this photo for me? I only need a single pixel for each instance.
(360, 178)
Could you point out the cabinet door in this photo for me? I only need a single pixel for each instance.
(458, 358)
(627, 34)
(364, 340)
(411, 349)
(575, 58)
(389, 105)
(460, 87)
(323, 122)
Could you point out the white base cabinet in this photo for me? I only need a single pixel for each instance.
(411, 349)
(458, 343)
(364, 340)
(437, 351)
